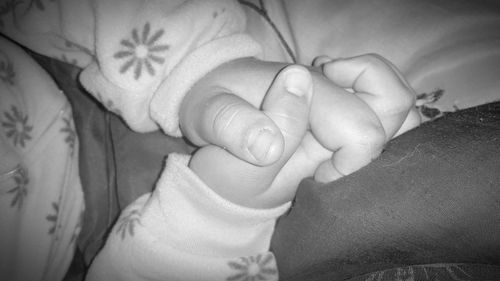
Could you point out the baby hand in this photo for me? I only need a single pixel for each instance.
(349, 130)
(380, 84)
(286, 104)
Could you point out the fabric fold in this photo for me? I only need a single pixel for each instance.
(166, 102)
(185, 231)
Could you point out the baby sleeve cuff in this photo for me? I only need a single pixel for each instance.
(195, 219)
(185, 231)
(166, 102)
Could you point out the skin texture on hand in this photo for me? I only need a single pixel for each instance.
(344, 134)
(377, 82)
(286, 104)
(222, 109)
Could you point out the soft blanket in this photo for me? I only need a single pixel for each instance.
(41, 200)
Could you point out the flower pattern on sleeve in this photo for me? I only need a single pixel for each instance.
(126, 225)
(253, 268)
(142, 51)
(20, 190)
(425, 103)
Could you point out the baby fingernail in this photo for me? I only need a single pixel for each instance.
(298, 82)
(262, 143)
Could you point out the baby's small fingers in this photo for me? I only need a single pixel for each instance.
(345, 125)
(379, 83)
(348, 159)
(286, 103)
(366, 73)
(326, 172)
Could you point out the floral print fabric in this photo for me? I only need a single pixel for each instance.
(41, 201)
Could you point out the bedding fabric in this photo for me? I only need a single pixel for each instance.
(117, 165)
(41, 199)
(433, 196)
(440, 45)
(308, 244)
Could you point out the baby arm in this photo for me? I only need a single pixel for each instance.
(186, 231)
(199, 221)
(287, 104)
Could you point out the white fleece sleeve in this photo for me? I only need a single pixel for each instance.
(139, 57)
(140, 44)
(185, 231)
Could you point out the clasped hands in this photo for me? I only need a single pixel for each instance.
(264, 126)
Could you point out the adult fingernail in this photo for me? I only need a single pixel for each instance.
(298, 81)
(262, 144)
